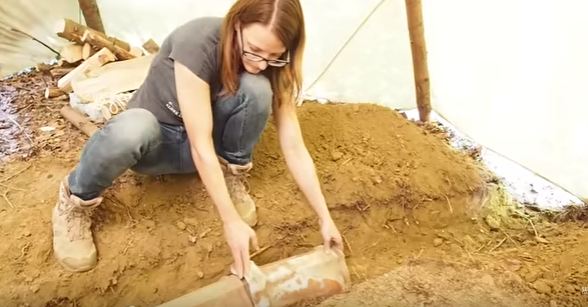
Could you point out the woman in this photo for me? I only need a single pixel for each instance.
(202, 107)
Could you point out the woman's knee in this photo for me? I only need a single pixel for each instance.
(257, 89)
(132, 128)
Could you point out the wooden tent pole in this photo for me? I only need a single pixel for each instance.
(91, 14)
(418, 46)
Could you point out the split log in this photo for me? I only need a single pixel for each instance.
(92, 14)
(71, 53)
(74, 31)
(60, 72)
(97, 60)
(151, 46)
(52, 92)
(112, 79)
(87, 51)
(98, 41)
(80, 121)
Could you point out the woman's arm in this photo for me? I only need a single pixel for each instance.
(195, 105)
(302, 168)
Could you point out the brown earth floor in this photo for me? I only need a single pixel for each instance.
(411, 209)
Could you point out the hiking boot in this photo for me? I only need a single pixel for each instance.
(73, 244)
(236, 180)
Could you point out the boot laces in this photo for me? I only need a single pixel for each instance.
(239, 182)
(78, 216)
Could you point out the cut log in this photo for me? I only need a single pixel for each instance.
(52, 92)
(97, 60)
(79, 120)
(92, 14)
(87, 51)
(71, 53)
(60, 72)
(70, 30)
(151, 46)
(98, 41)
(74, 31)
(112, 79)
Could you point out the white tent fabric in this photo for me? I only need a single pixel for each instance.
(36, 18)
(511, 75)
(329, 25)
(507, 73)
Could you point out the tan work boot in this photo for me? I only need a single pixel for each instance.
(73, 244)
(235, 177)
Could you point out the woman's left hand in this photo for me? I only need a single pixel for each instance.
(331, 236)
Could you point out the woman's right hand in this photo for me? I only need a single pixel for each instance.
(238, 235)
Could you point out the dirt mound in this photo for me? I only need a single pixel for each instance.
(372, 152)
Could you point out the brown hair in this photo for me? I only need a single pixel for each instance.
(287, 22)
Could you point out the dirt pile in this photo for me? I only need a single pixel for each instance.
(371, 149)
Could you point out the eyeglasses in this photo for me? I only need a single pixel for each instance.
(258, 58)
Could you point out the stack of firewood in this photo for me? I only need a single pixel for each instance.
(96, 67)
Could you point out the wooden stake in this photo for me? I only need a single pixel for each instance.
(92, 14)
(419, 57)
(99, 41)
(151, 46)
(261, 250)
(80, 121)
(348, 245)
(97, 60)
(74, 31)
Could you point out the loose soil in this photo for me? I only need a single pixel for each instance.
(423, 223)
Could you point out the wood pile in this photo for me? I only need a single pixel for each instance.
(96, 68)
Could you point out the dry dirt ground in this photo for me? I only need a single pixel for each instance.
(423, 224)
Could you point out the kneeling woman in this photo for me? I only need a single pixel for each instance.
(203, 107)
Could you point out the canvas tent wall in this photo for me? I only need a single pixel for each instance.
(507, 73)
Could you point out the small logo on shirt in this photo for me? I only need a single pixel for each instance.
(170, 106)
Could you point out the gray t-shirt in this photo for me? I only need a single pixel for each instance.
(196, 46)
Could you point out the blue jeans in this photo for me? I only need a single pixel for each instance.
(135, 140)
